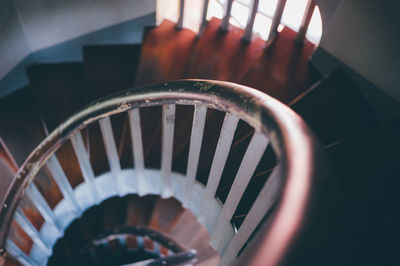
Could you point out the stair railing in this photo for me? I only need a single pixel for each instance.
(280, 205)
(164, 249)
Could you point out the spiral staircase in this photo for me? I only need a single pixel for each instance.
(100, 168)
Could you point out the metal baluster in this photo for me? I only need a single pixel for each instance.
(251, 158)
(112, 154)
(219, 160)
(168, 123)
(84, 163)
(248, 32)
(136, 137)
(225, 20)
(277, 19)
(265, 200)
(196, 138)
(62, 181)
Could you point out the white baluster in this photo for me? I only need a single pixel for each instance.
(225, 20)
(179, 24)
(112, 154)
(18, 254)
(265, 200)
(204, 17)
(196, 138)
(248, 31)
(277, 19)
(219, 160)
(43, 207)
(168, 123)
(301, 34)
(31, 231)
(137, 143)
(62, 181)
(249, 163)
(84, 163)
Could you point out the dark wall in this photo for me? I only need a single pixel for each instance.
(365, 35)
(13, 44)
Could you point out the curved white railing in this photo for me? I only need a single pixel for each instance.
(287, 188)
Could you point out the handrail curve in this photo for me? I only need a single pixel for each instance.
(291, 139)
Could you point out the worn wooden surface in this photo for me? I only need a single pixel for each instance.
(166, 53)
(223, 55)
(283, 70)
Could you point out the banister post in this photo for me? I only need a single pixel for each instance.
(248, 32)
(277, 19)
(225, 20)
(179, 24)
(204, 18)
(301, 35)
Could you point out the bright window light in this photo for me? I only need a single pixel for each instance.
(293, 13)
(262, 25)
(314, 31)
(291, 17)
(240, 12)
(267, 8)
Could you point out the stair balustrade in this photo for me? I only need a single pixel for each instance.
(280, 204)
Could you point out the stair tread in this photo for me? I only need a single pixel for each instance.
(7, 157)
(213, 261)
(164, 214)
(58, 90)
(334, 108)
(6, 177)
(20, 125)
(283, 70)
(166, 52)
(223, 55)
(188, 231)
(139, 209)
(109, 68)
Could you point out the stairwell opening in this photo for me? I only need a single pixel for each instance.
(124, 230)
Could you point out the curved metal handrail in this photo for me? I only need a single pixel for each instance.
(291, 139)
(182, 255)
(139, 230)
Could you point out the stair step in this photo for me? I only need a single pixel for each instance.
(58, 90)
(7, 156)
(8, 169)
(109, 69)
(188, 231)
(334, 108)
(223, 55)
(6, 176)
(165, 212)
(283, 70)
(21, 128)
(114, 212)
(166, 52)
(139, 209)
(213, 261)
(200, 242)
